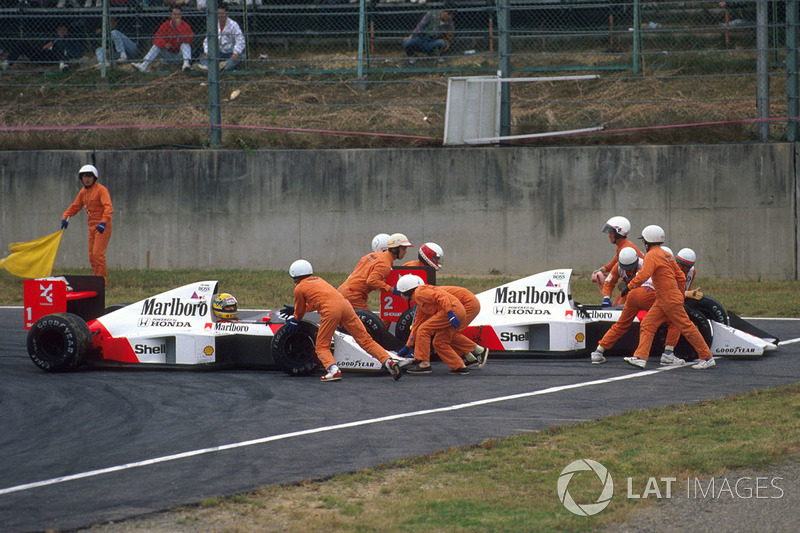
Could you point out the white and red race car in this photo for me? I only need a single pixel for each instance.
(175, 328)
(536, 316)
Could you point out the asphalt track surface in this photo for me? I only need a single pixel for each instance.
(98, 445)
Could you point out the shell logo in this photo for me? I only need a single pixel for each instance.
(208, 350)
(579, 337)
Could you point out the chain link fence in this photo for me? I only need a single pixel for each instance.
(658, 61)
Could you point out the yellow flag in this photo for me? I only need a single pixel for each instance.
(33, 259)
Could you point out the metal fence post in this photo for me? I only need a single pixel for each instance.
(214, 108)
(504, 48)
(792, 107)
(762, 69)
(637, 36)
(362, 17)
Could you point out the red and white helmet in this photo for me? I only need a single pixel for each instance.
(619, 225)
(431, 253)
(686, 257)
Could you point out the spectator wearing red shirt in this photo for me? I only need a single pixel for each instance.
(173, 42)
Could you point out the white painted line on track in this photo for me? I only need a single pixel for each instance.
(312, 431)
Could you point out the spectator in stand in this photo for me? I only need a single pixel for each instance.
(62, 50)
(432, 36)
(124, 47)
(231, 42)
(173, 41)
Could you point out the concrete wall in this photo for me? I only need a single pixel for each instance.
(507, 210)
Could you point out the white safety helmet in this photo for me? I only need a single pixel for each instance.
(628, 258)
(87, 169)
(380, 242)
(409, 282)
(668, 250)
(686, 257)
(619, 225)
(301, 267)
(397, 240)
(653, 234)
(431, 253)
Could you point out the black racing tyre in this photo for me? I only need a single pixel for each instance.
(377, 330)
(114, 307)
(294, 352)
(711, 308)
(683, 349)
(403, 328)
(59, 342)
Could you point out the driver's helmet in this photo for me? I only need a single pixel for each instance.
(225, 307)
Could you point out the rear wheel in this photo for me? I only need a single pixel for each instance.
(59, 342)
(711, 308)
(294, 352)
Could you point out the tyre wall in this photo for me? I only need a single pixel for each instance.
(508, 210)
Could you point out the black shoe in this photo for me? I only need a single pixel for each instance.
(461, 371)
(416, 369)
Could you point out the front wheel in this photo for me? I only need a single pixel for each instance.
(59, 342)
(294, 352)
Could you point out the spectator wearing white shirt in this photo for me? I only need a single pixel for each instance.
(231, 42)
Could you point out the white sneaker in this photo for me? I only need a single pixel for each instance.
(88, 3)
(4, 64)
(186, 66)
(123, 56)
(201, 66)
(702, 364)
(597, 358)
(141, 67)
(635, 361)
(63, 66)
(669, 359)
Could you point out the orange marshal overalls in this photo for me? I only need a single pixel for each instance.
(97, 203)
(369, 275)
(669, 282)
(416, 263)
(673, 335)
(461, 343)
(316, 294)
(432, 322)
(638, 299)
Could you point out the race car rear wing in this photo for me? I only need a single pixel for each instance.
(84, 296)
